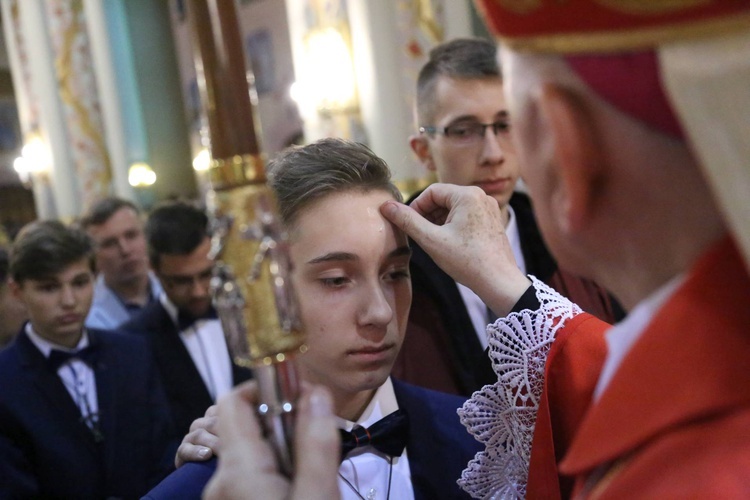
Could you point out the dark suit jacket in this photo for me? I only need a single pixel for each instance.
(438, 446)
(46, 451)
(441, 350)
(187, 394)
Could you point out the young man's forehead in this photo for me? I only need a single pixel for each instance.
(122, 214)
(342, 256)
(71, 270)
(449, 92)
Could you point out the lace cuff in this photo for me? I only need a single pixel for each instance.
(502, 415)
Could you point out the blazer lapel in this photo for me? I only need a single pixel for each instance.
(179, 372)
(106, 394)
(425, 447)
(53, 391)
(473, 365)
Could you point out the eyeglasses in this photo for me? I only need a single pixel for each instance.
(183, 281)
(470, 132)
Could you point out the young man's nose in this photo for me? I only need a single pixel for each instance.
(123, 246)
(68, 296)
(376, 308)
(199, 288)
(492, 150)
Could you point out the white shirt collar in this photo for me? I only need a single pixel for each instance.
(383, 403)
(622, 336)
(514, 238)
(169, 307)
(45, 346)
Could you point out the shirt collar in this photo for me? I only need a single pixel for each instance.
(621, 337)
(514, 238)
(169, 307)
(383, 403)
(45, 346)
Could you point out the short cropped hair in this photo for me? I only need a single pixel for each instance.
(462, 59)
(44, 248)
(302, 175)
(102, 210)
(175, 228)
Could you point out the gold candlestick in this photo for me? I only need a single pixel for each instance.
(252, 287)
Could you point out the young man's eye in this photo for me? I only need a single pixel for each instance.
(82, 282)
(107, 244)
(336, 282)
(502, 126)
(48, 287)
(398, 274)
(461, 130)
(132, 234)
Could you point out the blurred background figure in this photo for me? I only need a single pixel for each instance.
(12, 311)
(82, 411)
(124, 284)
(182, 326)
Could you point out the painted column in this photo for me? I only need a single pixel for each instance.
(111, 52)
(51, 64)
(81, 116)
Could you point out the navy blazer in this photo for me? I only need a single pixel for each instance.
(47, 451)
(438, 446)
(187, 394)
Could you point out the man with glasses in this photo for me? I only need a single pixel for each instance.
(464, 137)
(182, 326)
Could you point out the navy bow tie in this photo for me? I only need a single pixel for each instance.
(57, 358)
(185, 320)
(388, 435)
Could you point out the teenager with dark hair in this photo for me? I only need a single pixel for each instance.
(82, 412)
(181, 325)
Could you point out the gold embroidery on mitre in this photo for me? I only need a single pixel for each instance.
(631, 39)
(520, 6)
(651, 6)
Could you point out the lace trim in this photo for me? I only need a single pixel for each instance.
(502, 415)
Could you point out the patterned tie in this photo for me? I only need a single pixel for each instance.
(388, 435)
(185, 320)
(57, 358)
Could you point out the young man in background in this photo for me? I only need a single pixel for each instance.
(82, 412)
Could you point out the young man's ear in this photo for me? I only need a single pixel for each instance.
(578, 154)
(421, 148)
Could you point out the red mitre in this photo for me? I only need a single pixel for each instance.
(608, 42)
(569, 26)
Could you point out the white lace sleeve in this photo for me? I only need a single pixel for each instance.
(502, 415)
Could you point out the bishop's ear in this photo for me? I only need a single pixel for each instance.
(578, 154)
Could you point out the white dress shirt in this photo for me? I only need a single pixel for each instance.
(108, 311)
(77, 376)
(474, 306)
(366, 468)
(622, 336)
(205, 342)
